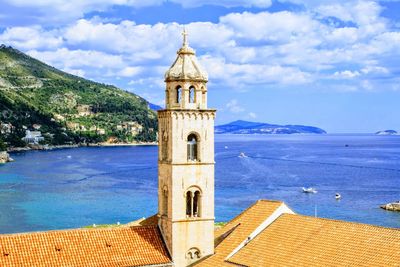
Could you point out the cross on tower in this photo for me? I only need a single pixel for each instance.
(185, 34)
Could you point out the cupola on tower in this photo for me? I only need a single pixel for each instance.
(186, 161)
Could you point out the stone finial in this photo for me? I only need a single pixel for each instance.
(185, 34)
(186, 66)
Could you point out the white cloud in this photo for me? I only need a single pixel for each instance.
(226, 3)
(239, 76)
(346, 74)
(343, 36)
(276, 27)
(130, 71)
(375, 70)
(79, 58)
(31, 38)
(149, 83)
(252, 115)
(96, 5)
(218, 35)
(65, 11)
(142, 42)
(242, 51)
(365, 14)
(61, 11)
(234, 107)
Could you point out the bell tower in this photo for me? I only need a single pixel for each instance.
(186, 161)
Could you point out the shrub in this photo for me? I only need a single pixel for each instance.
(3, 146)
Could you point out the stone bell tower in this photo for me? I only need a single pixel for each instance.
(186, 161)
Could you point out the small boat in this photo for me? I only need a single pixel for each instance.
(226, 147)
(309, 190)
(338, 196)
(242, 155)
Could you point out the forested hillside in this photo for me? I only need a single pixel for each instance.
(64, 108)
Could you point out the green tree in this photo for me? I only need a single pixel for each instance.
(3, 146)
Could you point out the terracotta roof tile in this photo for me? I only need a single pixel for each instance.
(233, 233)
(122, 246)
(297, 240)
(152, 220)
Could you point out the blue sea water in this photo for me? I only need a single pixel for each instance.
(44, 190)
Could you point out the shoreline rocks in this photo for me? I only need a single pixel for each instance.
(5, 157)
(47, 147)
(394, 206)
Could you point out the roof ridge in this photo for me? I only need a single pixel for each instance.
(121, 227)
(249, 207)
(269, 200)
(342, 221)
(252, 205)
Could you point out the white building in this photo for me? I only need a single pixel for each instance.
(33, 137)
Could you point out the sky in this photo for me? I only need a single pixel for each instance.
(331, 64)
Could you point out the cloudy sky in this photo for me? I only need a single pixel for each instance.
(333, 64)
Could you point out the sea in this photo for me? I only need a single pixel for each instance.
(70, 188)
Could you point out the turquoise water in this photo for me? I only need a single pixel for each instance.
(69, 188)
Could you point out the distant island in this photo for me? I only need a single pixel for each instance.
(387, 132)
(247, 127)
(43, 106)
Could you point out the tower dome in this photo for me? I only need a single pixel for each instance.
(186, 66)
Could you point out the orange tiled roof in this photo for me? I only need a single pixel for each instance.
(297, 240)
(122, 246)
(152, 220)
(233, 233)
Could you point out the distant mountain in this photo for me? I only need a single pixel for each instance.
(387, 132)
(66, 109)
(247, 127)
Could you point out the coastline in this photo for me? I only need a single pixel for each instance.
(354, 204)
(47, 147)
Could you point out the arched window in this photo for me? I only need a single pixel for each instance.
(192, 94)
(189, 203)
(193, 203)
(192, 147)
(178, 94)
(196, 202)
(192, 255)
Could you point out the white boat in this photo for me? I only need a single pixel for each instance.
(338, 196)
(309, 190)
(242, 155)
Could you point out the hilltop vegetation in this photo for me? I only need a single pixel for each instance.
(66, 109)
(248, 127)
